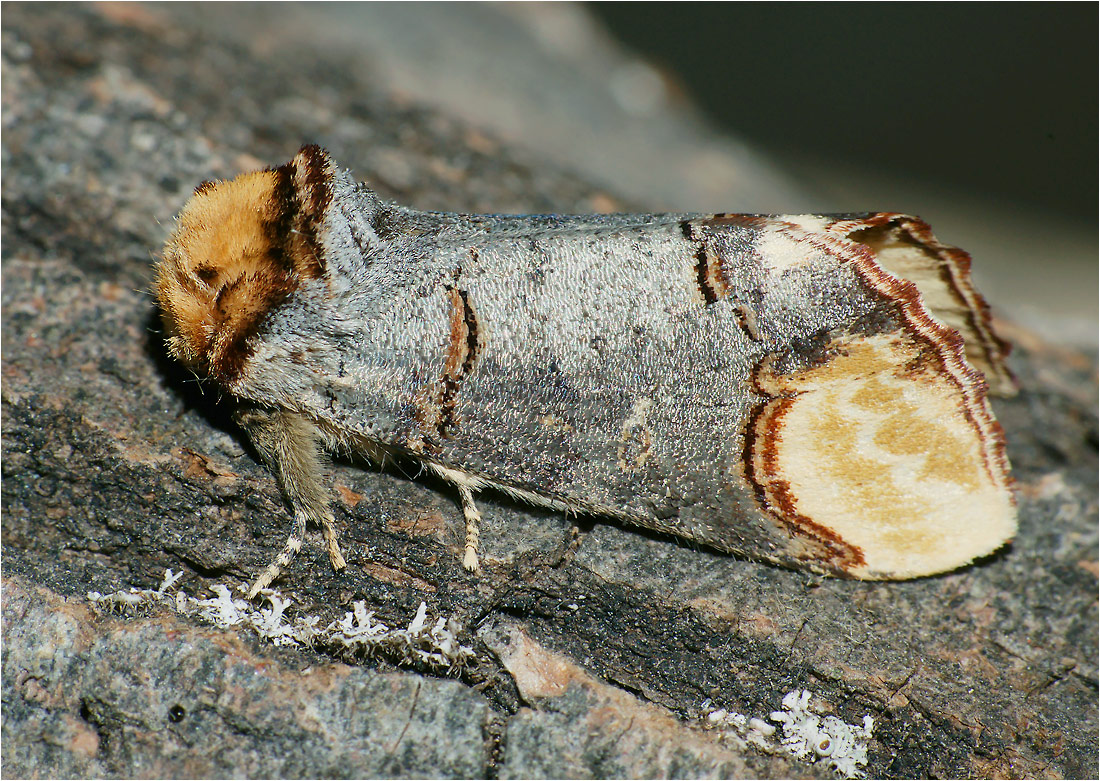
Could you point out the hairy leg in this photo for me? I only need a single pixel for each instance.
(290, 445)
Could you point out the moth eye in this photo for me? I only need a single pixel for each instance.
(206, 273)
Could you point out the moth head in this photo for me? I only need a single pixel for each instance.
(240, 249)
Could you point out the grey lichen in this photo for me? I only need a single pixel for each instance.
(358, 636)
(807, 735)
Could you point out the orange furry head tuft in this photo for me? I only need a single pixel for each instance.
(240, 249)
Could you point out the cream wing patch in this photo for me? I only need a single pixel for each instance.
(876, 449)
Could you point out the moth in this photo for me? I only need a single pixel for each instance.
(809, 390)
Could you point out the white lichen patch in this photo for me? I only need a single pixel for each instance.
(358, 635)
(807, 735)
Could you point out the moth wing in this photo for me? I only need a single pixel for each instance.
(877, 447)
(888, 447)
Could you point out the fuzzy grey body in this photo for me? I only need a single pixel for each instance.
(796, 389)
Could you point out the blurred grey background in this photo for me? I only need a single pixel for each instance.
(981, 118)
(995, 100)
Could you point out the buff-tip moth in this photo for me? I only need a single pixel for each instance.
(806, 390)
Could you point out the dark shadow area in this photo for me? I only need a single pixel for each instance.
(999, 100)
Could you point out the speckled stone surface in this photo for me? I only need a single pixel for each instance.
(117, 466)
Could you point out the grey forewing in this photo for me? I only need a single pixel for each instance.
(602, 374)
(584, 389)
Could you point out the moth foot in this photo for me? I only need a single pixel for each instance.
(473, 528)
(469, 560)
(262, 582)
(332, 545)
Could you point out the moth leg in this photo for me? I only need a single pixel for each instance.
(282, 561)
(473, 528)
(569, 546)
(291, 447)
(332, 543)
